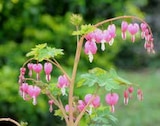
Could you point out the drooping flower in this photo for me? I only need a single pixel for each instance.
(30, 67)
(130, 90)
(21, 79)
(67, 108)
(139, 94)
(106, 37)
(149, 46)
(48, 70)
(95, 102)
(81, 105)
(21, 76)
(126, 97)
(22, 71)
(98, 35)
(63, 83)
(33, 92)
(90, 48)
(112, 32)
(144, 30)
(24, 90)
(124, 27)
(37, 68)
(91, 36)
(112, 99)
(133, 29)
(51, 102)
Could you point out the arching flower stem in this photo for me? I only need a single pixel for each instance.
(10, 120)
(123, 17)
(55, 62)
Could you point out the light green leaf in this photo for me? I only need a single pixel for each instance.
(97, 76)
(59, 113)
(42, 52)
(85, 29)
(35, 51)
(76, 33)
(53, 88)
(23, 123)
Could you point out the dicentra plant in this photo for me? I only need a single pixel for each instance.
(91, 110)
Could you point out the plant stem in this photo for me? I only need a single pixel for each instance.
(60, 67)
(83, 111)
(123, 17)
(71, 86)
(59, 104)
(85, 108)
(10, 120)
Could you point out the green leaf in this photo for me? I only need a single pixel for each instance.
(76, 33)
(85, 29)
(97, 76)
(35, 51)
(59, 113)
(97, 71)
(23, 123)
(42, 52)
(53, 88)
(102, 117)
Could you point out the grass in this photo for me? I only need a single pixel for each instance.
(147, 112)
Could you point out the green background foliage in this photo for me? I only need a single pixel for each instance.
(25, 23)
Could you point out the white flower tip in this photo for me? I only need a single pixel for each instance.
(34, 101)
(90, 55)
(63, 90)
(102, 46)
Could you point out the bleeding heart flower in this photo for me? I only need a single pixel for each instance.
(95, 102)
(33, 92)
(126, 97)
(112, 32)
(124, 27)
(30, 67)
(51, 102)
(63, 83)
(48, 70)
(133, 29)
(37, 68)
(24, 90)
(139, 94)
(90, 48)
(81, 105)
(112, 99)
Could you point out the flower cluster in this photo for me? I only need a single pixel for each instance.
(95, 103)
(108, 35)
(29, 91)
(112, 98)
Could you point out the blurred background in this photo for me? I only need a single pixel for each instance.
(25, 23)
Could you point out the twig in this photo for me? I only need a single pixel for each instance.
(10, 120)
